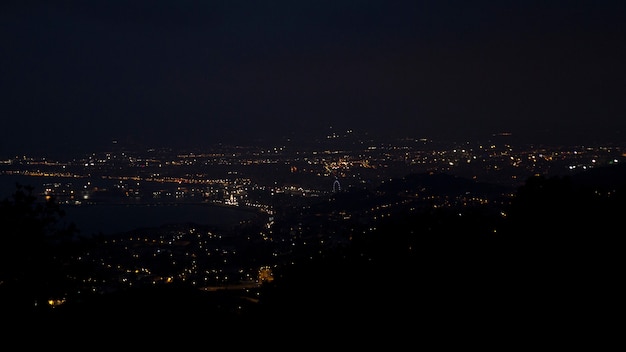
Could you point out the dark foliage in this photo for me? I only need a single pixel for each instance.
(34, 249)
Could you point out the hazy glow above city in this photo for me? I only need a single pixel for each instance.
(193, 74)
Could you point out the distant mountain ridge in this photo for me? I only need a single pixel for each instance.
(611, 176)
(441, 184)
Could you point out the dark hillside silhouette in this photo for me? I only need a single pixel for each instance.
(566, 238)
(550, 257)
(553, 259)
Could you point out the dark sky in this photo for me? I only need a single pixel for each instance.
(77, 74)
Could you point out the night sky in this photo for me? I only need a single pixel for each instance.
(76, 75)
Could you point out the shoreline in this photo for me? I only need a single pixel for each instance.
(159, 204)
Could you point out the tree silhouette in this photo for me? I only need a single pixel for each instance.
(566, 246)
(33, 251)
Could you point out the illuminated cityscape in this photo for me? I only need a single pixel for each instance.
(261, 171)
(292, 196)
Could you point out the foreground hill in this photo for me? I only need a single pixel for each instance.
(551, 259)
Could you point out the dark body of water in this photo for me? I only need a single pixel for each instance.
(115, 218)
(108, 218)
